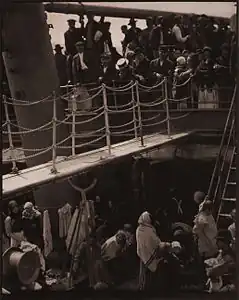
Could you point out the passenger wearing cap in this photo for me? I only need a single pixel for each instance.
(72, 35)
(181, 91)
(141, 66)
(133, 32)
(107, 70)
(81, 64)
(205, 70)
(145, 40)
(61, 65)
(162, 66)
(124, 70)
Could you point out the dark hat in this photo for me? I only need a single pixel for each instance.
(71, 21)
(58, 46)
(206, 48)
(25, 264)
(132, 21)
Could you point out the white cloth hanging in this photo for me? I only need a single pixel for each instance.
(81, 226)
(65, 215)
(47, 236)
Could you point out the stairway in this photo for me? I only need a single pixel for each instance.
(228, 200)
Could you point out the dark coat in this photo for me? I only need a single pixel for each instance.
(166, 69)
(71, 37)
(109, 74)
(95, 26)
(61, 67)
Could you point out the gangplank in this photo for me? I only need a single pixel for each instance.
(66, 167)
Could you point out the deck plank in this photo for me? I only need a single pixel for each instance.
(68, 166)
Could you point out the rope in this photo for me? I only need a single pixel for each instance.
(121, 87)
(89, 133)
(85, 121)
(120, 90)
(85, 100)
(121, 111)
(123, 125)
(4, 124)
(25, 102)
(121, 106)
(31, 150)
(30, 131)
(180, 117)
(183, 84)
(179, 100)
(152, 104)
(157, 123)
(125, 131)
(152, 118)
(151, 87)
(63, 141)
(30, 156)
(83, 145)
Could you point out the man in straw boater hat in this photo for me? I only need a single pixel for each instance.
(125, 71)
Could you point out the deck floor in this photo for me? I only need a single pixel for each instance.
(68, 166)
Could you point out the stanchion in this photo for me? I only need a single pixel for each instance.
(73, 133)
(134, 114)
(54, 120)
(139, 114)
(107, 126)
(11, 146)
(167, 107)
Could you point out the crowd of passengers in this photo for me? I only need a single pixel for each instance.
(179, 48)
(159, 250)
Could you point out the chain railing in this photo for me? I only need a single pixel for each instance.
(109, 112)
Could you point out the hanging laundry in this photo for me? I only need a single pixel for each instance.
(78, 228)
(65, 214)
(47, 236)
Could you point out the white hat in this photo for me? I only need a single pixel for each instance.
(181, 60)
(121, 63)
(28, 205)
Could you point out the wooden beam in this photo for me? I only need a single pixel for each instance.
(107, 11)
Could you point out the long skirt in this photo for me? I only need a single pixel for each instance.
(163, 279)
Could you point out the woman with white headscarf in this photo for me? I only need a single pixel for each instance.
(150, 250)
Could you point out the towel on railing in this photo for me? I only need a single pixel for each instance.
(47, 236)
(64, 214)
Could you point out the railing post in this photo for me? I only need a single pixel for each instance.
(139, 114)
(167, 106)
(11, 146)
(73, 129)
(54, 120)
(107, 125)
(134, 114)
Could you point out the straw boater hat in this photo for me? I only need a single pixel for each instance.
(122, 63)
(23, 265)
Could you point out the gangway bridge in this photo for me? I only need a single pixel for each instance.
(106, 123)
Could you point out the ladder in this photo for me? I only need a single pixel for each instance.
(222, 188)
(228, 201)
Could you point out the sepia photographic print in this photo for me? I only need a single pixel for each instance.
(119, 148)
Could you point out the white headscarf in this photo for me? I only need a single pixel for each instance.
(147, 242)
